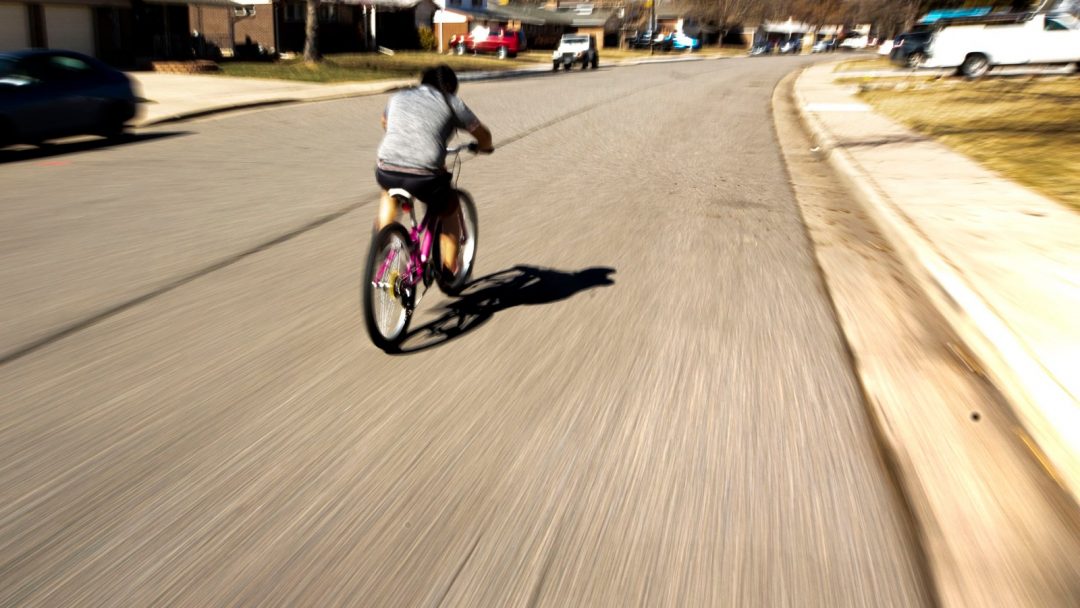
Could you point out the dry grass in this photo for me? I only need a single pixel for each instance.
(406, 64)
(1026, 128)
(866, 64)
(367, 66)
(613, 54)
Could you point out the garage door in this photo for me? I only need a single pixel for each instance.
(14, 27)
(70, 28)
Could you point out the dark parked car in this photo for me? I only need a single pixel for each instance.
(46, 94)
(656, 41)
(641, 40)
(909, 48)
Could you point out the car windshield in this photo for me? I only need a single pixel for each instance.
(12, 74)
(1065, 21)
(575, 40)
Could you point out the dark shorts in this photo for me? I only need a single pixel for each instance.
(434, 190)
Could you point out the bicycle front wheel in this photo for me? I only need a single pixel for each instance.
(386, 312)
(467, 242)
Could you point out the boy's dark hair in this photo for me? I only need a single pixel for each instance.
(442, 77)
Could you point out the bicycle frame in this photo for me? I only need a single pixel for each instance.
(418, 256)
(422, 234)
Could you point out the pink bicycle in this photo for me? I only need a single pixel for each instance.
(402, 261)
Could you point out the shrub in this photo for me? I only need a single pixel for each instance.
(428, 41)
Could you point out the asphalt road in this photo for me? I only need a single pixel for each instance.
(650, 403)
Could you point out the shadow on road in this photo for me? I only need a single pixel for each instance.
(517, 286)
(47, 150)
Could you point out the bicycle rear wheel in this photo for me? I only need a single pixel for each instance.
(386, 313)
(467, 242)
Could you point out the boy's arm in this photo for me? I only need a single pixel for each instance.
(483, 138)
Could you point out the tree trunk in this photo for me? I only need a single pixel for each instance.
(311, 32)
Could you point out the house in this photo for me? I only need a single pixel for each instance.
(117, 31)
(86, 26)
(355, 25)
(672, 19)
(603, 24)
(779, 31)
(542, 26)
(239, 24)
(344, 27)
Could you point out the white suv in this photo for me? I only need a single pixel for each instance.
(575, 48)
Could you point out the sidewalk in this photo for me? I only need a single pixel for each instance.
(179, 96)
(175, 97)
(999, 262)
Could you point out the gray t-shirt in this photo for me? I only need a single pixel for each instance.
(419, 123)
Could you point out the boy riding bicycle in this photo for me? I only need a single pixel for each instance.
(419, 122)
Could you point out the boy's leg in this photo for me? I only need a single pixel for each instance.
(450, 236)
(387, 211)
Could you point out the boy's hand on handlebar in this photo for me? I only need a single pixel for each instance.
(476, 149)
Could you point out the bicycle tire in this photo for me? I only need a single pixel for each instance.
(470, 237)
(390, 237)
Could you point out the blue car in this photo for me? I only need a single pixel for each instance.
(47, 94)
(683, 42)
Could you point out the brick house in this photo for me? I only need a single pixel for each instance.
(85, 26)
(345, 26)
(542, 26)
(245, 22)
(125, 32)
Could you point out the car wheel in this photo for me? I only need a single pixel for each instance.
(502, 53)
(975, 65)
(915, 59)
(554, 66)
(7, 134)
(113, 121)
(596, 62)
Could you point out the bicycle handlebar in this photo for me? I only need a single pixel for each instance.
(471, 147)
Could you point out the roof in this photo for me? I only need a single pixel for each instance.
(197, 2)
(396, 4)
(955, 13)
(786, 27)
(538, 16)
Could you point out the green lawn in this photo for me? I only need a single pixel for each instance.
(1026, 128)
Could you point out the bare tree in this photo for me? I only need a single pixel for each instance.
(819, 12)
(311, 32)
(724, 13)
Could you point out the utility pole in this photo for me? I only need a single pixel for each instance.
(652, 27)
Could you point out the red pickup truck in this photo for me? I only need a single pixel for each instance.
(503, 42)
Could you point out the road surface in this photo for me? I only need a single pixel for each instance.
(645, 400)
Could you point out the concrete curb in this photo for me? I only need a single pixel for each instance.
(387, 87)
(1016, 372)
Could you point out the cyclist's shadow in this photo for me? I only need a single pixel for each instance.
(483, 297)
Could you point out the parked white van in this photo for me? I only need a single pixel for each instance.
(975, 46)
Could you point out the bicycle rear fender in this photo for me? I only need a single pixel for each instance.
(399, 193)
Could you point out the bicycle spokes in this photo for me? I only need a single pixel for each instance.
(387, 297)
